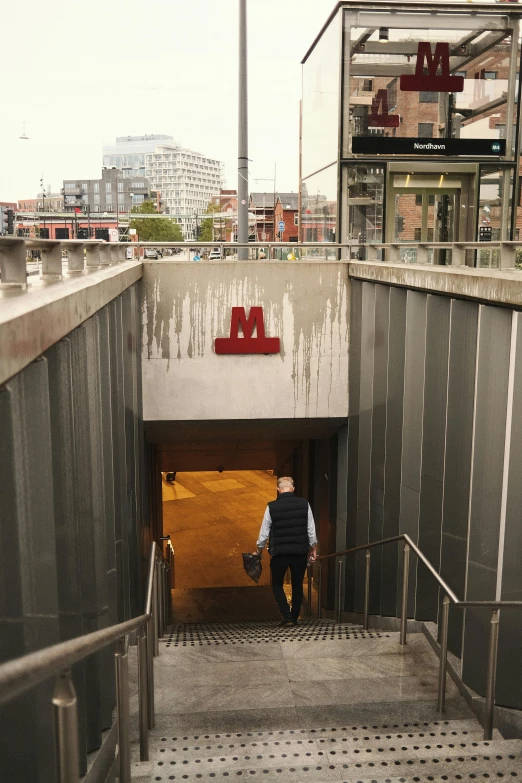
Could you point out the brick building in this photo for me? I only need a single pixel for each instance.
(270, 207)
(287, 212)
(225, 226)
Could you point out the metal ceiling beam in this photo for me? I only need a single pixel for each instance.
(362, 39)
(475, 50)
(430, 21)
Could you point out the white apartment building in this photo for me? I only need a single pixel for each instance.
(187, 180)
(127, 153)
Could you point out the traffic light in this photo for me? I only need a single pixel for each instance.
(3, 221)
(400, 224)
(10, 221)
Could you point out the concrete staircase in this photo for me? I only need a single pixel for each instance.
(319, 702)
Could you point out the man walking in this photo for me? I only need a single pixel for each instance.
(289, 523)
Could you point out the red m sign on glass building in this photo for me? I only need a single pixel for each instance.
(432, 81)
(382, 120)
(247, 343)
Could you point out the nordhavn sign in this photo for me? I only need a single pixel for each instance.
(432, 71)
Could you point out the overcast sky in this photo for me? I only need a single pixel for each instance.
(81, 74)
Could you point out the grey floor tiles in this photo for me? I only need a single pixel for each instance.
(257, 702)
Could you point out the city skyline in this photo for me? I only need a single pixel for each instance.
(186, 86)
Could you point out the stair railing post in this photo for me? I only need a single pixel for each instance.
(340, 573)
(320, 591)
(443, 660)
(159, 586)
(366, 590)
(404, 602)
(155, 613)
(65, 709)
(121, 660)
(491, 676)
(149, 634)
(143, 694)
(164, 578)
(309, 588)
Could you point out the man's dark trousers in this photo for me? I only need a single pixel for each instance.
(279, 565)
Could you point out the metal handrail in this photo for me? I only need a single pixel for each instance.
(447, 589)
(22, 674)
(449, 598)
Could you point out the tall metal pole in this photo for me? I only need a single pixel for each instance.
(242, 153)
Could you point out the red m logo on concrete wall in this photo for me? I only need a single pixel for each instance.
(432, 81)
(247, 343)
(383, 120)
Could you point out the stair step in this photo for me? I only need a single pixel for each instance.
(441, 765)
(358, 736)
(315, 773)
(437, 728)
(198, 634)
(394, 752)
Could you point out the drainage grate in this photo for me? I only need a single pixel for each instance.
(192, 634)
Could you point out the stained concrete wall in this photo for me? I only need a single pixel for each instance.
(433, 450)
(186, 306)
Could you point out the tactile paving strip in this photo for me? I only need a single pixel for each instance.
(192, 634)
(299, 755)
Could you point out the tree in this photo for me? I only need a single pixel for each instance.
(155, 229)
(206, 228)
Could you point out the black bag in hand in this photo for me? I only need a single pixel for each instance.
(252, 565)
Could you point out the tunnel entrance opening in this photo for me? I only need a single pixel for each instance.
(212, 517)
(225, 476)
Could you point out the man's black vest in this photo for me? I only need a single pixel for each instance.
(289, 529)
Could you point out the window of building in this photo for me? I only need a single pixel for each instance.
(490, 74)
(417, 234)
(97, 199)
(418, 199)
(460, 73)
(108, 203)
(96, 187)
(85, 187)
(120, 187)
(428, 97)
(70, 186)
(296, 219)
(62, 233)
(425, 130)
(108, 187)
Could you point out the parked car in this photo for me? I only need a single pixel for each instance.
(150, 252)
(215, 255)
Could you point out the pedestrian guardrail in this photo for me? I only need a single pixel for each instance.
(52, 260)
(22, 674)
(449, 598)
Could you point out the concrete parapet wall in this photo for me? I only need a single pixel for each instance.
(32, 321)
(486, 285)
(187, 305)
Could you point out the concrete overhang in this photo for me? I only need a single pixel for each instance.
(234, 445)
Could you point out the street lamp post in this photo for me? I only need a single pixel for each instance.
(242, 162)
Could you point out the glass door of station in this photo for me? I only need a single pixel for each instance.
(429, 208)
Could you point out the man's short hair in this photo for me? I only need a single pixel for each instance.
(285, 481)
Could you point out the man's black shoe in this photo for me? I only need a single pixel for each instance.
(294, 620)
(286, 621)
